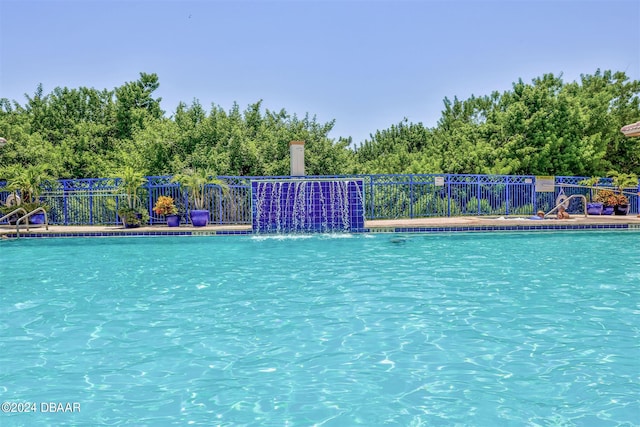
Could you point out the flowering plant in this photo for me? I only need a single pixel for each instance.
(165, 206)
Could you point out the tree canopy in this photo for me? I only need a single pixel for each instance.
(546, 127)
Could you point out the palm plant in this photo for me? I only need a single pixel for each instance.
(623, 181)
(200, 184)
(27, 184)
(131, 182)
(592, 184)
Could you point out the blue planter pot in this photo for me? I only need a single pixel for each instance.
(199, 218)
(173, 220)
(607, 210)
(37, 218)
(594, 208)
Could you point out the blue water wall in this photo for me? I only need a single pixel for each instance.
(307, 206)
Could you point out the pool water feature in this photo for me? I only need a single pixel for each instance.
(307, 205)
(333, 330)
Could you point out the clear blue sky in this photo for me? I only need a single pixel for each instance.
(366, 64)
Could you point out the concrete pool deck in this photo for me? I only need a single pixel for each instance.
(452, 224)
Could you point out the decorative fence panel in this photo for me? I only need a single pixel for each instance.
(427, 198)
(520, 195)
(96, 201)
(235, 206)
(83, 201)
(157, 186)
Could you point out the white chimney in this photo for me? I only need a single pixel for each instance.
(296, 151)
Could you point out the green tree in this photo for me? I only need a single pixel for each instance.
(134, 103)
(543, 127)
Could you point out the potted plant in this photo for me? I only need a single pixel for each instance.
(201, 185)
(166, 207)
(594, 207)
(25, 184)
(623, 181)
(608, 198)
(131, 213)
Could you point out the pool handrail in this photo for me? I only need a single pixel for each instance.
(28, 215)
(13, 212)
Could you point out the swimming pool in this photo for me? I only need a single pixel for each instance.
(377, 329)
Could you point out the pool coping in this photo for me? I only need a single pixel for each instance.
(416, 225)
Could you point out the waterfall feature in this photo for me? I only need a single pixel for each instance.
(307, 205)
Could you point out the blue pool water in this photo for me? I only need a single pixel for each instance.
(538, 329)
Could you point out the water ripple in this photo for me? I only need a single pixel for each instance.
(432, 330)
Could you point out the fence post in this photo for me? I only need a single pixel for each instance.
(479, 194)
(149, 200)
(65, 203)
(533, 194)
(411, 196)
(220, 204)
(507, 194)
(372, 196)
(448, 194)
(90, 201)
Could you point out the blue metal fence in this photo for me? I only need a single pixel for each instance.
(95, 201)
